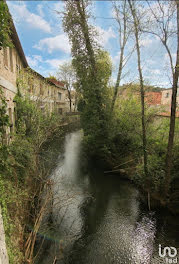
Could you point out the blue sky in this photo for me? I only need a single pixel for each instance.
(46, 46)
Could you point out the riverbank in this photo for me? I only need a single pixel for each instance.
(155, 200)
(27, 163)
(100, 218)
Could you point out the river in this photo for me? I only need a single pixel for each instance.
(99, 218)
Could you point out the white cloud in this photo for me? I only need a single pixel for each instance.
(34, 60)
(104, 35)
(116, 58)
(54, 63)
(155, 71)
(59, 6)
(22, 14)
(145, 42)
(166, 58)
(59, 42)
(40, 10)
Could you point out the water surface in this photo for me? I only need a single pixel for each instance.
(98, 218)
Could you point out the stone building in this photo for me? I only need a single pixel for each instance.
(153, 98)
(48, 95)
(167, 97)
(12, 60)
(60, 96)
(15, 74)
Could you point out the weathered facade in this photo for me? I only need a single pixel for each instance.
(153, 98)
(60, 96)
(167, 97)
(12, 60)
(48, 95)
(15, 74)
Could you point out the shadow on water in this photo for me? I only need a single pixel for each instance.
(99, 219)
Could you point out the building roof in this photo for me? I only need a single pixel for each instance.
(57, 83)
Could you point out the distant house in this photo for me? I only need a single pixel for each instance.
(166, 102)
(167, 97)
(60, 98)
(153, 98)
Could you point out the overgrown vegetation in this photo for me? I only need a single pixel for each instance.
(119, 129)
(5, 29)
(132, 130)
(93, 69)
(23, 174)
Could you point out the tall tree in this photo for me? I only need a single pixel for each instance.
(66, 74)
(92, 84)
(121, 13)
(173, 113)
(136, 32)
(160, 22)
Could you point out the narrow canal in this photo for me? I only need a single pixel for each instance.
(99, 218)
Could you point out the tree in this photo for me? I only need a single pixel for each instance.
(66, 74)
(91, 82)
(121, 15)
(173, 113)
(136, 32)
(5, 28)
(4, 118)
(160, 23)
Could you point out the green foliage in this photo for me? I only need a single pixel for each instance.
(66, 74)
(93, 70)
(26, 115)
(5, 28)
(51, 77)
(4, 119)
(128, 119)
(19, 164)
(9, 199)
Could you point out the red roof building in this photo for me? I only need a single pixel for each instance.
(153, 98)
(57, 83)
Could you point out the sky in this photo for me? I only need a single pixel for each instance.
(46, 46)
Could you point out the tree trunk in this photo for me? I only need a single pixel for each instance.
(141, 90)
(116, 88)
(173, 114)
(69, 97)
(85, 30)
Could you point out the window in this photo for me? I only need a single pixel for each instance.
(166, 95)
(11, 58)
(59, 96)
(10, 120)
(60, 111)
(41, 89)
(17, 64)
(10, 115)
(30, 84)
(5, 57)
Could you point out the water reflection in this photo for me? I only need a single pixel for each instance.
(98, 219)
